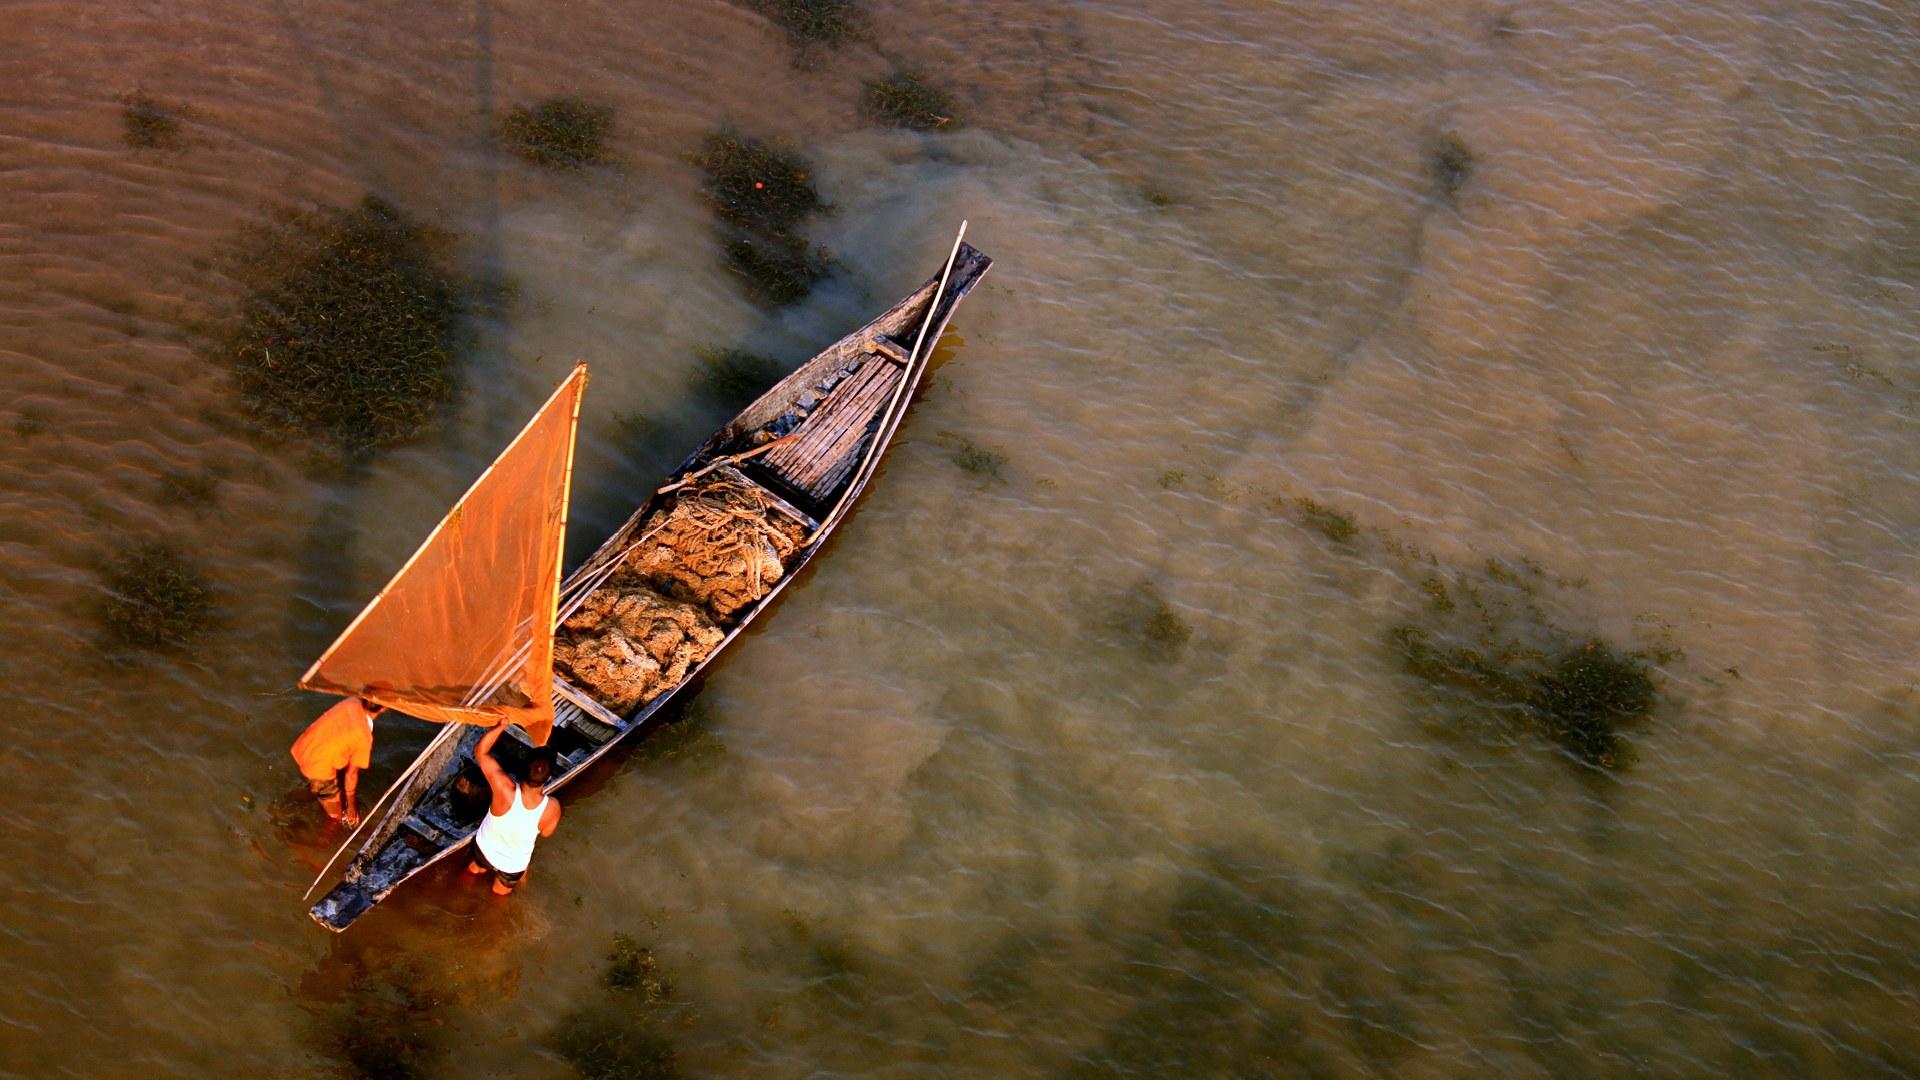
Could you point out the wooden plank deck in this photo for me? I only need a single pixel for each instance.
(829, 438)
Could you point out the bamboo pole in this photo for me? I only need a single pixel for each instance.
(446, 730)
(730, 459)
(890, 419)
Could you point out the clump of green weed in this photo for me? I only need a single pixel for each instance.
(1333, 524)
(817, 22)
(1142, 616)
(1437, 595)
(1450, 162)
(1584, 697)
(762, 194)
(1157, 197)
(604, 1044)
(780, 268)
(561, 133)
(906, 99)
(352, 327)
(148, 124)
(1173, 479)
(183, 488)
(755, 185)
(734, 376)
(1579, 697)
(631, 967)
(974, 458)
(28, 424)
(155, 598)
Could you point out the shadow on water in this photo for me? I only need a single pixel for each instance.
(383, 1007)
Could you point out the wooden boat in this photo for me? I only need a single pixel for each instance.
(810, 445)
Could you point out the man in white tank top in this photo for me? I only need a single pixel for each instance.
(520, 814)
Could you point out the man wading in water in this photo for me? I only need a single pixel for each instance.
(339, 742)
(520, 814)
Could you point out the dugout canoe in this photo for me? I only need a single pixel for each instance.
(812, 444)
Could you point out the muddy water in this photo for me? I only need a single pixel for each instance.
(1093, 759)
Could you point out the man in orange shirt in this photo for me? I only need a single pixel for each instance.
(339, 742)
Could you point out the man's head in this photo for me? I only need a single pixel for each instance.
(373, 708)
(540, 765)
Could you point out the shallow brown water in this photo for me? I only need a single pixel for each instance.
(958, 814)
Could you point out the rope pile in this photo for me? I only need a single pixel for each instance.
(717, 548)
(720, 545)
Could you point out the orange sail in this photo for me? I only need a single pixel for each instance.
(464, 632)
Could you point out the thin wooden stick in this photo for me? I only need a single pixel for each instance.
(890, 419)
(730, 459)
(445, 731)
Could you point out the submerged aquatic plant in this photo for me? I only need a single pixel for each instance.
(606, 1044)
(560, 133)
(754, 184)
(779, 268)
(351, 330)
(155, 598)
(906, 99)
(734, 376)
(1586, 695)
(1142, 616)
(816, 22)
(761, 194)
(974, 458)
(1451, 163)
(1335, 525)
(149, 124)
(1578, 698)
(385, 1029)
(631, 967)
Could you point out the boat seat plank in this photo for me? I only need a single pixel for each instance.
(834, 430)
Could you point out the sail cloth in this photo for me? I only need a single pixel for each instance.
(464, 632)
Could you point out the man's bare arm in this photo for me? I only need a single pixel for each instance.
(497, 778)
(551, 819)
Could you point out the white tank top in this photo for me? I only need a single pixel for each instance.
(507, 839)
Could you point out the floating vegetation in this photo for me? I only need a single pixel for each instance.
(1142, 616)
(155, 600)
(734, 376)
(1173, 479)
(351, 331)
(1437, 595)
(28, 424)
(780, 268)
(606, 1044)
(817, 22)
(559, 133)
(1333, 524)
(631, 967)
(905, 99)
(974, 458)
(762, 194)
(183, 488)
(1450, 162)
(150, 125)
(1157, 197)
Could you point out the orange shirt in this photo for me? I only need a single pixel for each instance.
(342, 736)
